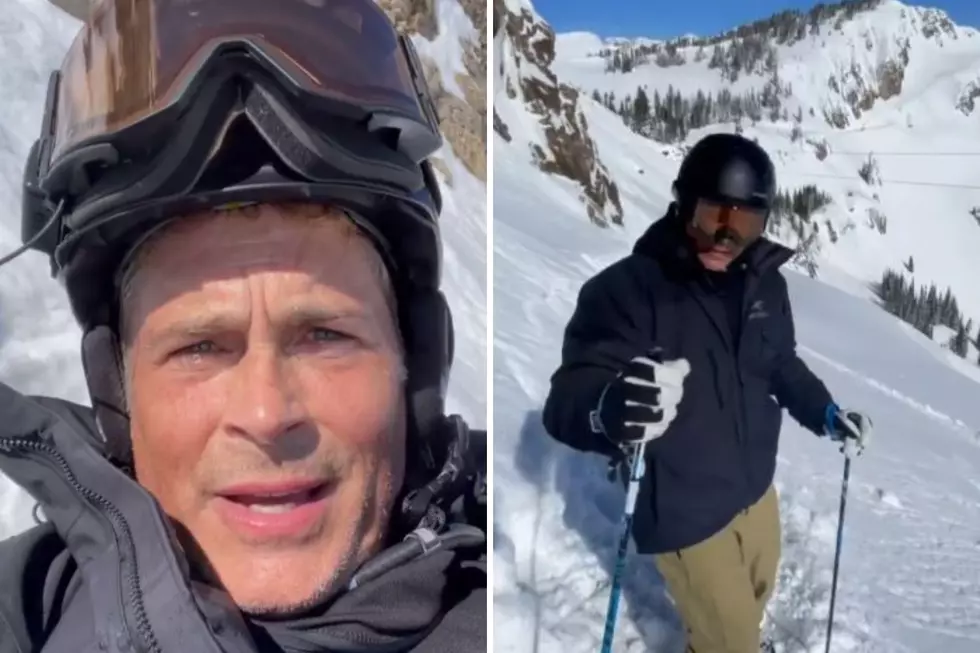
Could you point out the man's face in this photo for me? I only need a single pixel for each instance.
(265, 395)
(721, 233)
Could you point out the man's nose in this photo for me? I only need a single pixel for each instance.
(264, 402)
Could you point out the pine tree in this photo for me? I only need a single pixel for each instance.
(933, 308)
(958, 344)
(772, 63)
(628, 62)
(717, 58)
(641, 111)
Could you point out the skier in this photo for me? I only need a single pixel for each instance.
(688, 344)
(237, 197)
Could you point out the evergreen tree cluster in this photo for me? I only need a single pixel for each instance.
(797, 208)
(803, 202)
(788, 27)
(877, 220)
(750, 54)
(870, 172)
(670, 117)
(924, 308)
(744, 47)
(625, 58)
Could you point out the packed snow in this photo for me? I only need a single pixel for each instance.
(910, 568)
(39, 341)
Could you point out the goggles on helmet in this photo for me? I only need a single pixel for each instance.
(139, 60)
(167, 106)
(714, 223)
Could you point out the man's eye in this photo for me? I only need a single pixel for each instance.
(320, 334)
(198, 349)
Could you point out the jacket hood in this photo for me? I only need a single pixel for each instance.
(140, 584)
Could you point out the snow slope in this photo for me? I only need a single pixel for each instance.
(39, 341)
(910, 570)
(911, 563)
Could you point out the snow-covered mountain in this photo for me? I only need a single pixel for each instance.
(39, 341)
(546, 112)
(910, 569)
(823, 92)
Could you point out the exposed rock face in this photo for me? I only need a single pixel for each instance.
(463, 119)
(967, 100)
(412, 16)
(526, 48)
(860, 89)
(936, 23)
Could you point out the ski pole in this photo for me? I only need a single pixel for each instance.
(840, 534)
(632, 490)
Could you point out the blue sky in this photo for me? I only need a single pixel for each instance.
(666, 18)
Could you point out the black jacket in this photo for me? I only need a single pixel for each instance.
(104, 574)
(719, 455)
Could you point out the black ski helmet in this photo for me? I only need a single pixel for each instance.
(728, 169)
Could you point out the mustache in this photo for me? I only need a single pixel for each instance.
(250, 464)
(728, 237)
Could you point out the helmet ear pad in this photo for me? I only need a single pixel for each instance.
(428, 335)
(427, 332)
(684, 202)
(103, 367)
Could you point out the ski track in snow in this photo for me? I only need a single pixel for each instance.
(925, 409)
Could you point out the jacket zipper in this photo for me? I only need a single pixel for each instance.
(748, 291)
(135, 595)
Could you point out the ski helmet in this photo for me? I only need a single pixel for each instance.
(727, 169)
(164, 108)
(724, 190)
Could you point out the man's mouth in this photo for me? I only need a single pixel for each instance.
(272, 502)
(271, 512)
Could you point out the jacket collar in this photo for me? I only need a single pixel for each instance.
(665, 241)
(126, 553)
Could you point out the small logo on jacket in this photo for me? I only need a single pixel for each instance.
(757, 311)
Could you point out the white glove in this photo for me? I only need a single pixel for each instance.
(642, 401)
(852, 428)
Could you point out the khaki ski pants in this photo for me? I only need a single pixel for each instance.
(720, 586)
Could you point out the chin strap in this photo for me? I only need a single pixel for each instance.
(459, 490)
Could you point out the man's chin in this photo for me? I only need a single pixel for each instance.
(289, 608)
(717, 260)
(276, 585)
